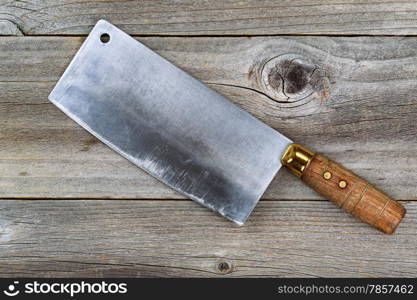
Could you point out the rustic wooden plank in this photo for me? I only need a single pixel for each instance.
(353, 99)
(95, 238)
(200, 17)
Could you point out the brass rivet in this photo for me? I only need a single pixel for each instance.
(342, 184)
(327, 175)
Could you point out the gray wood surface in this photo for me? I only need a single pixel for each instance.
(180, 238)
(200, 17)
(69, 206)
(358, 107)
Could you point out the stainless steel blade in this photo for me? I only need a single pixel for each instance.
(169, 124)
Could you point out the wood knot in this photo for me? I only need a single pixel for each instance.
(289, 78)
(224, 267)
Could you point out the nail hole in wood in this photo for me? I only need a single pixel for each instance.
(224, 267)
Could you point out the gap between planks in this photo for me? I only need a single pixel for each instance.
(157, 199)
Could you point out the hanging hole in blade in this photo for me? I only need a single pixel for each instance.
(105, 38)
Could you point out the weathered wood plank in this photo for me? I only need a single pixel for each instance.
(231, 17)
(95, 238)
(353, 99)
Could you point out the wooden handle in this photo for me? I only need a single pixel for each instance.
(354, 194)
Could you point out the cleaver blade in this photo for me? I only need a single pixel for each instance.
(169, 124)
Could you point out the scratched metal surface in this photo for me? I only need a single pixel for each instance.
(169, 124)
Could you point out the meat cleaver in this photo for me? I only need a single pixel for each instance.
(193, 139)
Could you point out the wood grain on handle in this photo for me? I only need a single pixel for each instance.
(353, 194)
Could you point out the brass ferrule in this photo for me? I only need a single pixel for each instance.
(296, 158)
